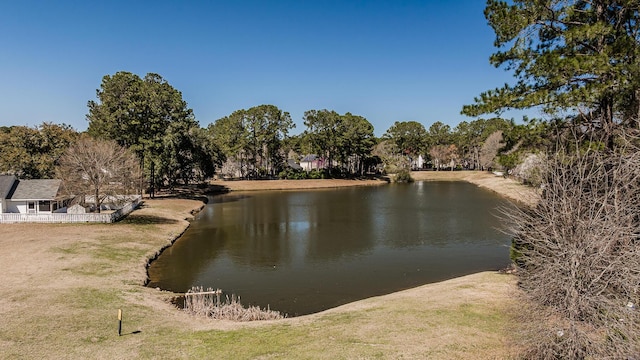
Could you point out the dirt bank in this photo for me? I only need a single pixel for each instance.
(253, 185)
(507, 187)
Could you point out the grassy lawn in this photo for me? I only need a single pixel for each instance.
(62, 285)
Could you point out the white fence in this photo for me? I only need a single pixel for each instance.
(70, 218)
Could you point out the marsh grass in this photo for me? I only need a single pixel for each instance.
(210, 304)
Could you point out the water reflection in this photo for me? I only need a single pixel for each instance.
(305, 251)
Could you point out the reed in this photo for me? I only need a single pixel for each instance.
(209, 303)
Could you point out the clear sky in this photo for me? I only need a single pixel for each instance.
(388, 61)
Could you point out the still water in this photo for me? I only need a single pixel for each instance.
(306, 251)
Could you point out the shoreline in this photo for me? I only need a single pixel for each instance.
(506, 187)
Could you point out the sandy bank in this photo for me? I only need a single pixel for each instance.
(508, 188)
(257, 185)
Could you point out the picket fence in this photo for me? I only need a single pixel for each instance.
(70, 218)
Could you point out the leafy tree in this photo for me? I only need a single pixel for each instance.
(439, 134)
(577, 57)
(578, 61)
(254, 138)
(322, 132)
(32, 153)
(409, 137)
(509, 161)
(347, 139)
(138, 114)
(99, 168)
(356, 141)
(230, 135)
(188, 154)
(267, 127)
(206, 155)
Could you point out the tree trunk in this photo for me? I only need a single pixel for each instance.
(152, 188)
(95, 200)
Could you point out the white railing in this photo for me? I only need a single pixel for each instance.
(70, 218)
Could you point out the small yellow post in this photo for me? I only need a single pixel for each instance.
(119, 322)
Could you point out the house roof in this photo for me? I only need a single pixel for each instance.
(309, 158)
(292, 164)
(37, 189)
(6, 183)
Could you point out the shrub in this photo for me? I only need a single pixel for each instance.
(579, 258)
(530, 171)
(403, 176)
(315, 174)
(292, 174)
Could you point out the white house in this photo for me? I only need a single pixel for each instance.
(6, 183)
(418, 163)
(312, 161)
(38, 196)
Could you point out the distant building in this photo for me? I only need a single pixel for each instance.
(311, 162)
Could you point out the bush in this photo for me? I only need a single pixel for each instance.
(403, 176)
(530, 171)
(292, 174)
(578, 255)
(315, 174)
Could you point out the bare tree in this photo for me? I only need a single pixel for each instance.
(578, 254)
(444, 154)
(99, 168)
(490, 149)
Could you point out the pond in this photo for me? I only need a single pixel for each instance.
(301, 252)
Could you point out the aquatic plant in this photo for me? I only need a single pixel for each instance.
(209, 303)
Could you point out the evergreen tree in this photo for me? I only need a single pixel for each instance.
(576, 57)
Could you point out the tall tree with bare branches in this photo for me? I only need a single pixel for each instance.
(100, 168)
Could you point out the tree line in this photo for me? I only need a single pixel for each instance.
(148, 117)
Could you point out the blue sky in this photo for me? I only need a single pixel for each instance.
(388, 60)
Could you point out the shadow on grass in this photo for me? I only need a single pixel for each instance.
(132, 333)
(137, 219)
(193, 192)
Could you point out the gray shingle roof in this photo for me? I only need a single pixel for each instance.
(37, 189)
(6, 183)
(292, 164)
(310, 158)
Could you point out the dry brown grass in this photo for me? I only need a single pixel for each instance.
(210, 304)
(507, 187)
